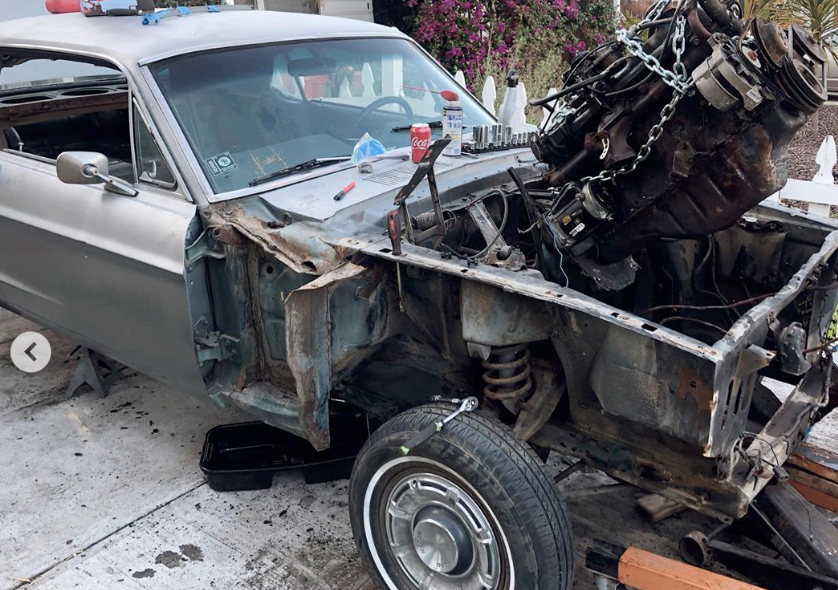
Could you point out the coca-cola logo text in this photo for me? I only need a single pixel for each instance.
(419, 143)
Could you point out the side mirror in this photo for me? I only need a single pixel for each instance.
(81, 167)
(90, 168)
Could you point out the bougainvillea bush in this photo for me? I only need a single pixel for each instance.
(537, 37)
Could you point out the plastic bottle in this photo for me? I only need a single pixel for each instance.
(506, 114)
(452, 123)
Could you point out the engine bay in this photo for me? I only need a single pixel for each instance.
(658, 144)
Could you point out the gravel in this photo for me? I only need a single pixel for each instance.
(808, 140)
(804, 149)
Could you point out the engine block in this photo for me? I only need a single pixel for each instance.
(673, 131)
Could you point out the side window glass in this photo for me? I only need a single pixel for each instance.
(151, 166)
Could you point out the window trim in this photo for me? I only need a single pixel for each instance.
(135, 152)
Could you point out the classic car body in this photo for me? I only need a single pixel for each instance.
(277, 298)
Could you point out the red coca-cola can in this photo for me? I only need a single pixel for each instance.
(420, 140)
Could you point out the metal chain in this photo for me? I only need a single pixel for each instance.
(678, 79)
(645, 151)
(562, 111)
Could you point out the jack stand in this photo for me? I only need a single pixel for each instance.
(95, 370)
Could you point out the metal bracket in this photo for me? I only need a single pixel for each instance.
(435, 234)
(217, 347)
(203, 247)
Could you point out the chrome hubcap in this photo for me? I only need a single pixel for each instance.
(439, 535)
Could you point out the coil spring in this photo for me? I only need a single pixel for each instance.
(508, 375)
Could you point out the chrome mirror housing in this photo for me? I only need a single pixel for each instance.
(90, 168)
(82, 167)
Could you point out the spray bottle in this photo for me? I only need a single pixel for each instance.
(452, 123)
(510, 100)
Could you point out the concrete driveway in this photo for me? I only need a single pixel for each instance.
(107, 493)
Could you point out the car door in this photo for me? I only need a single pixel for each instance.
(104, 269)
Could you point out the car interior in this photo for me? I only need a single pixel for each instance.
(47, 117)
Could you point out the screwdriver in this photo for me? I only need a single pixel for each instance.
(345, 190)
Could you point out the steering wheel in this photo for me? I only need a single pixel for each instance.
(360, 123)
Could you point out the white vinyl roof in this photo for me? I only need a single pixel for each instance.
(127, 41)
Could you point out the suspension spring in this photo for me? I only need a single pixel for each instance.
(508, 375)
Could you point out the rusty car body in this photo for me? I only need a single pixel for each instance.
(627, 319)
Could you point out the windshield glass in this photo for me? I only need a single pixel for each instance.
(251, 112)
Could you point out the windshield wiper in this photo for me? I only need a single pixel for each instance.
(309, 165)
(432, 125)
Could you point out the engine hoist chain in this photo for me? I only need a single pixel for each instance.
(678, 79)
(681, 83)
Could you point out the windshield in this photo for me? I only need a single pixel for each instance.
(249, 113)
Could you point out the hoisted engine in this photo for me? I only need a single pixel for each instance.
(672, 131)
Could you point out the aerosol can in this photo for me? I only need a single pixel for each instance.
(509, 106)
(452, 123)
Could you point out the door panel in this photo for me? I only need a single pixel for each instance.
(104, 269)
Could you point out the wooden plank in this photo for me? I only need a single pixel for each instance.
(819, 491)
(814, 473)
(816, 460)
(658, 508)
(816, 497)
(646, 571)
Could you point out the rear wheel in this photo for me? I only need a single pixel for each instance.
(469, 509)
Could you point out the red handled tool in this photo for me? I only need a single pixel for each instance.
(345, 190)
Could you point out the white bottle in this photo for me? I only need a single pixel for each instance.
(509, 106)
(452, 123)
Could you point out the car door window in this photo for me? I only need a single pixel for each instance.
(68, 106)
(151, 165)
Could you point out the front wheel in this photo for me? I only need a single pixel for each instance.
(470, 509)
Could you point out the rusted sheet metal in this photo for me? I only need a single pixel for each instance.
(297, 245)
(691, 384)
(60, 105)
(750, 329)
(495, 318)
(333, 324)
(780, 436)
(529, 284)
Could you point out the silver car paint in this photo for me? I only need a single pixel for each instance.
(105, 269)
(132, 47)
(113, 268)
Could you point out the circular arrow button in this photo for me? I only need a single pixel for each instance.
(31, 352)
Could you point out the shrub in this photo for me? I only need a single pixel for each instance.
(537, 37)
